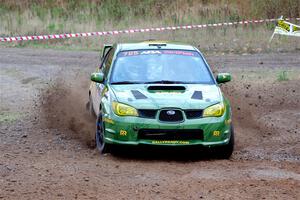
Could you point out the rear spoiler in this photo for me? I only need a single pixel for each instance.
(106, 48)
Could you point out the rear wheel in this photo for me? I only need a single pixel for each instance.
(102, 146)
(226, 151)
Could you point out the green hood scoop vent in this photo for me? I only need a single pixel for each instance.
(166, 88)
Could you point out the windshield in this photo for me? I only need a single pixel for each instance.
(160, 66)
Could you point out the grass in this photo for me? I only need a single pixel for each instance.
(282, 76)
(259, 73)
(61, 16)
(237, 40)
(9, 117)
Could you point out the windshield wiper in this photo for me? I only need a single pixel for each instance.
(125, 82)
(164, 82)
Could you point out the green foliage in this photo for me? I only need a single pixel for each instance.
(120, 12)
(57, 12)
(9, 117)
(29, 17)
(234, 17)
(282, 76)
(51, 27)
(274, 8)
(270, 26)
(39, 11)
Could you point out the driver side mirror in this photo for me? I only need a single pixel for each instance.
(223, 77)
(97, 77)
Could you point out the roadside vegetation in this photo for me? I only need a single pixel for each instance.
(32, 17)
(8, 117)
(282, 76)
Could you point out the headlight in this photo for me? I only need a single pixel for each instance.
(216, 110)
(123, 110)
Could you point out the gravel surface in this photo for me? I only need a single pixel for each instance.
(45, 135)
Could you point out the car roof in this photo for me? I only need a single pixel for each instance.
(154, 44)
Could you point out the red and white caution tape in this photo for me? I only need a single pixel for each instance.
(103, 33)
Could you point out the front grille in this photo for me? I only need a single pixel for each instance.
(171, 115)
(147, 113)
(193, 114)
(170, 134)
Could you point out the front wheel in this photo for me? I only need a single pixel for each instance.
(224, 152)
(102, 146)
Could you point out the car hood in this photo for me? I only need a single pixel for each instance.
(188, 96)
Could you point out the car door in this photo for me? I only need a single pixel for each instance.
(104, 68)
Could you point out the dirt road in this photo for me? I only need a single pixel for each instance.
(45, 133)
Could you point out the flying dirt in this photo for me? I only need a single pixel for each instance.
(46, 134)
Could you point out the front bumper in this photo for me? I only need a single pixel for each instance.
(125, 130)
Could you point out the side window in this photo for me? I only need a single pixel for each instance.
(103, 60)
(107, 62)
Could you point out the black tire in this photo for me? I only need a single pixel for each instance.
(226, 151)
(102, 146)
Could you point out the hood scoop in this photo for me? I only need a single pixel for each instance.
(166, 88)
(197, 95)
(138, 95)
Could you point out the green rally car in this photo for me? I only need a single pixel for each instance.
(159, 93)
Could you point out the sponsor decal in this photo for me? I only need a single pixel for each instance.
(170, 142)
(286, 28)
(150, 52)
(157, 52)
(216, 133)
(123, 132)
